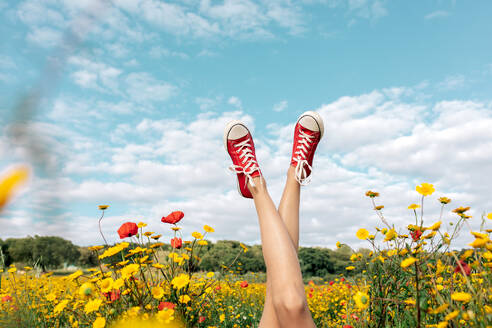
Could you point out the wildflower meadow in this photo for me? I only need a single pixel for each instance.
(412, 277)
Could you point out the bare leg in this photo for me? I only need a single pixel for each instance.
(289, 212)
(287, 288)
(289, 206)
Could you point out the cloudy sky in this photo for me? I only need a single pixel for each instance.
(124, 103)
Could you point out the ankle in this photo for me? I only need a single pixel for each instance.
(291, 174)
(259, 186)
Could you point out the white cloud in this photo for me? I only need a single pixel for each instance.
(158, 52)
(278, 107)
(207, 53)
(143, 87)
(85, 78)
(45, 37)
(382, 140)
(207, 104)
(367, 9)
(234, 101)
(452, 82)
(437, 14)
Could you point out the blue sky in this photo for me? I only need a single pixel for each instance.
(135, 116)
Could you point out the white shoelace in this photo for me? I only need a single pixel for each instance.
(302, 149)
(247, 156)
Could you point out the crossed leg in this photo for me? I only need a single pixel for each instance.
(285, 302)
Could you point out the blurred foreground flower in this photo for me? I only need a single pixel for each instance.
(11, 181)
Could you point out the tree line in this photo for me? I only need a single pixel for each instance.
(48, 253)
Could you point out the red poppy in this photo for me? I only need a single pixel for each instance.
(166, 305)
(176, 242)
(218, 288)
(128, 229)
(348, 326)
(342, 280)
(331, 283)
(201, 319)
(173, 218)
(416, 234)
(6, 299)
(465, 266)
(244, 284)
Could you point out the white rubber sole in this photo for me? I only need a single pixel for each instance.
(317, 118)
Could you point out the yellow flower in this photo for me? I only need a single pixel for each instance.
(461, 297)
(184, 299)
(435, 226)
(11, 182)
(392, 252)
(222, 317)
(156, 237)
(100, 322)
(176, 228)
(379, 207)
(361, 300)
(408, 261)
(197, 235)
(129, 270)
(118, 283)
(208, 228)
(466, 254)
(180, 281)
(87, 289)
(372, 194)
(114, 250)
(165, 316)
(141, 224)
(350, 268)
(12, 270)
(444, 200)
(157, 292)
(478, 243)
(202, 243)
(92, 306)
(452, 315)
(479, 235)
(106, 285)
(362, 234)
(210, 274)
(489, 216)
(413, 207)
(103, 207)
(425, 189)
(390, 235)
(95, 248)
(60, 306)
(339, 245)
(409, 301)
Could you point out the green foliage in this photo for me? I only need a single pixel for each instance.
(224, 252)
(45, 252)
(315, 261)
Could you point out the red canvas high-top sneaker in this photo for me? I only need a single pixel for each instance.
(238, 142)
(307, 134)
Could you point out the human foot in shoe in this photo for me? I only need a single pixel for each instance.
(307, 134)
(238, 142)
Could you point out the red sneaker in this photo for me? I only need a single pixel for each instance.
(307, 134)
(238, 142)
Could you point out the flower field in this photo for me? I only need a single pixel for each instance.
(411, 278)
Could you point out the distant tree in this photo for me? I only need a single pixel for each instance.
(45, 252)
(315, 261)
(224, 252)
(87, 258)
